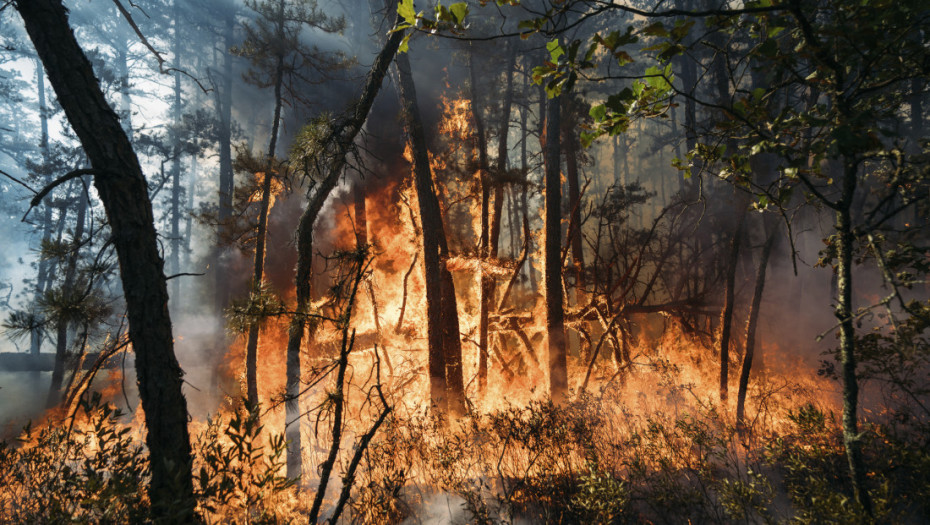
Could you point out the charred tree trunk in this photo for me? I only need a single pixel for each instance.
(447, 389)
(258, 272)
(752, 322)
(335, 147)
(555, 316)
(123, 191)
(726, 313)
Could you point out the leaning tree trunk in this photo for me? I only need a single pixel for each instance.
(726, 313)
(445, 351)
(122, 189)
(335, 146)
(555, 316)
(770, 231)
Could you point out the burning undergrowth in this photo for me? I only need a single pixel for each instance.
(647, 442)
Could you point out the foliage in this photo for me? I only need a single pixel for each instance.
(260, 307)
(238, 478)
(92, 472)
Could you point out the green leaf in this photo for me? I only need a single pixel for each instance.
(459, 11)
(407, 12)
(758, 93)
(598, 112)
(555, 50)
(655, 78)
(404, 44)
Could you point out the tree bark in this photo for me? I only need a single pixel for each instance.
(123, 191)
(770, 231)
(223, 103)
(555, 316)
(570, 140)
(726, 313)
(447, 389)
(844, 314)
(258, 272)
(335, 146)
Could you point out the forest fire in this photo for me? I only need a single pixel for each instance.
(674, 272)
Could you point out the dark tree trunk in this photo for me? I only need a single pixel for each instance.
(123, 191)
(258, 272)
(752, 322)
(336, 146)
(555, 316)
(490, 213)
(569, 138)
(726, 313)
(224, 118)
(445, 351)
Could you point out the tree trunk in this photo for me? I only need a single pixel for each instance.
(844, 314)
(726, 313)
(258, 272)
(555, 316)
(224, 117)
(336, 146)
(445, 352)
(123, 191)
(490, 216)
(524, 167)
(64, 319)
(570, 140)
(174, 263)
(42, 275)
(770, 232)
(485, 282)
(361, 241)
